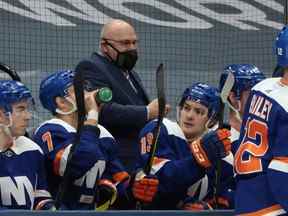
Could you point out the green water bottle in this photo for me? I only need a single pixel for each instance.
(104, 95)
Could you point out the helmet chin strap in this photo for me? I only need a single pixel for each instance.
(74, 108)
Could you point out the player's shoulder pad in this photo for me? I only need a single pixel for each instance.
(104, 132)
(173, 128)
(24, 144)
(57, 123)
(274, 89)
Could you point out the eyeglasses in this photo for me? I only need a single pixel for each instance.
(123, 42)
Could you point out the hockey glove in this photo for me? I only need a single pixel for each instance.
(197, 206)
(106, 194)
(45, 204)
(222, 203)
(212, 146)
(144, 187)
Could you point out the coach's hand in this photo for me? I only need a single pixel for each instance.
(153, 109)
(211, 147)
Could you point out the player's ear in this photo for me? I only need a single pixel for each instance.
(60, 103)
(3, 117)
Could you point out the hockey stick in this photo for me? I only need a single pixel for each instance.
(286, 12)
(79, 95)
(160, 84)
(228, 85)
(11, 72)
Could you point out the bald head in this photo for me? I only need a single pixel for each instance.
(117, 29)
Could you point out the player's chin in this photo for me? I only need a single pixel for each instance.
(189, 131)
(21, 131)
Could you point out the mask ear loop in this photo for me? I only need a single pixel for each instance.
(74, 108)
(107, 55)
(106, 41)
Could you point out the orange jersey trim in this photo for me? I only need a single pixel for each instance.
(282, 159)
(264, 211)
(120, 176)
(157, 160)
(57, 161)
(284, 81)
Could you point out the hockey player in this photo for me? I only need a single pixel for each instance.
(185, 150)
(22, 173)
(94, 157)
(261, 157)
(243, 78)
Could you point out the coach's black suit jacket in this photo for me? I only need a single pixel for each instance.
(126, 114)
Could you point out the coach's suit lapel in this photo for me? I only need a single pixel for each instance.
(136, 78)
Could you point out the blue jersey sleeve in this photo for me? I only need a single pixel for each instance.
(114, 168)
(56, 141)
(278, 167)
(279, 136)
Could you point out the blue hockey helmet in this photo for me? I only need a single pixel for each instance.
(55, 85)
(245, 76)
(281, 47)
(12, 92)
(205, 95)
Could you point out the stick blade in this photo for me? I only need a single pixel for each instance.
(228, 85)
(10, 71)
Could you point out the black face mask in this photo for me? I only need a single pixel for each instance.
(126, 60)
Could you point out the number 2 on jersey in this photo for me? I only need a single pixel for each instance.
(255, 145)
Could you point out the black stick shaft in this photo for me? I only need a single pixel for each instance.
(285, 12)
(79, 93)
